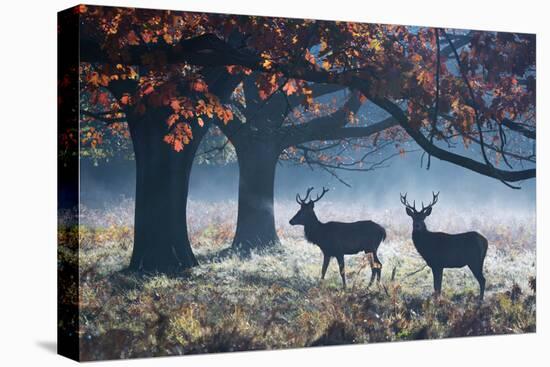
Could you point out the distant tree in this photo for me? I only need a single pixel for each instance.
(443, 88)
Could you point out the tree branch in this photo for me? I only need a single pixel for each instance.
(101, 116)
(318, 127)
(531, 134)
(434, 150)
(342, 133)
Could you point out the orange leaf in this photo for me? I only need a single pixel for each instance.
(178, 146)
(132, 38)
(172, 119)
(169, 139)
(290, 87)
(416, 58)
(225, 114)
(175, 104)
(104, 80)
(199, 85)
(167, 38)
(266, 64)
(309, 57)
(148, 90)
(103, 99)
(125, 99)
(94, 79)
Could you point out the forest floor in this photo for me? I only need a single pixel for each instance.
(276, 300)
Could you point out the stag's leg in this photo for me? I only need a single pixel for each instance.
(377, 266)
(326, 260)
(372, 267)
(342, 270)
(478, 273)
(438, 277)
(372, 275)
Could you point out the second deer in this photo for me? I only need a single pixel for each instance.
(337, 239)
(443, 250)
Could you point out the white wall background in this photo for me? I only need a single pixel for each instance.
(28, 181)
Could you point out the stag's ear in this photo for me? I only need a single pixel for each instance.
(428, 211)
(409, 212)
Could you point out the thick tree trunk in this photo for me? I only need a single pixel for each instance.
(161, 243)
(255, 220)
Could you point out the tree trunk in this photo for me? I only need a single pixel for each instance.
(255, 219)
(161, 243)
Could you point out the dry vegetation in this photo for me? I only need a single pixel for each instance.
(275, 300)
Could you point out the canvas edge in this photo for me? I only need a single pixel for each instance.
(68, 291)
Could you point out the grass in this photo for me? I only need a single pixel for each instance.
(276, 300)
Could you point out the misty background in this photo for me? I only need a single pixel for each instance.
(107, 183)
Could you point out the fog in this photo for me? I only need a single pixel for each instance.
(109, 182)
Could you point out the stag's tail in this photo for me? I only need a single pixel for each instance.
(383, 234)
(484, 247)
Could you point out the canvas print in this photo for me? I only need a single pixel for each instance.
(235, 183)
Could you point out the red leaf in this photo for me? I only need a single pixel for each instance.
(172, 119)
(178, 145)
(148, 90)
(199, 85)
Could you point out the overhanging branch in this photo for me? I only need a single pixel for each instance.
(531, 134)
(435, 151)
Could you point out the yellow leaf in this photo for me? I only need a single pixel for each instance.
(416, 58)
(267, 64)
(167, 38)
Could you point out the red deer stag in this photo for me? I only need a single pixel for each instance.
(337, 239)
(443, 250)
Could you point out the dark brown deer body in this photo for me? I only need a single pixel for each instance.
(443, 250)
(336, 239)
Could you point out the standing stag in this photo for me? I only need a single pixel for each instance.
(337, 239)
(443, 250)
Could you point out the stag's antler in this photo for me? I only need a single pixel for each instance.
(435, 198)
(303, 201)
(325, 190)
(299, 200)
(406, 203)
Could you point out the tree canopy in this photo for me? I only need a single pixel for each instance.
(438, 84)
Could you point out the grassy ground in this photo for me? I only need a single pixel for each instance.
(276, 300)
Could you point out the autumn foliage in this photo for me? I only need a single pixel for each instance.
(476, 86)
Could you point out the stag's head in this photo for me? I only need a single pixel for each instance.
(306, 207)
(418, 216)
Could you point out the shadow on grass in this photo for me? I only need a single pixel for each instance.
(297, 284)
(242, 253)
(216, 256)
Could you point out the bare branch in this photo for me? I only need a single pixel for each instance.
(520, 128)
